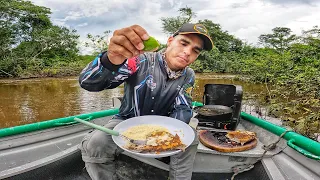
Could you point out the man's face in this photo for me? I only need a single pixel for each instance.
(182, 50)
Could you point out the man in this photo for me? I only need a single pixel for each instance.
(156, 83)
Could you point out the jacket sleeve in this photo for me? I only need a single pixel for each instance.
(182, 108)
(99, 75)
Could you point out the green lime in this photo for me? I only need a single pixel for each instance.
(150, 44)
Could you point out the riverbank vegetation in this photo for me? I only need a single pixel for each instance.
(32, 46)
(287, 64)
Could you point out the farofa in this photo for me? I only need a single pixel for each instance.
(140, 132)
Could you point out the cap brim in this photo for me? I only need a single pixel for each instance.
(207, 42)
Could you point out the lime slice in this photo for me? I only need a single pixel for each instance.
(151, 44)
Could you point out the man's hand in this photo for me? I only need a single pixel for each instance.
(126, 43)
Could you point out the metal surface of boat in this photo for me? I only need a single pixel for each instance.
(53, 154)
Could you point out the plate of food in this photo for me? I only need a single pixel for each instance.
(163, 136)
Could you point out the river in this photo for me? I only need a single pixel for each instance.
(33, 100)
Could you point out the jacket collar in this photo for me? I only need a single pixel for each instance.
(171, 74)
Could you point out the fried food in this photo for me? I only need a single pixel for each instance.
(159, 141)
(241, 137)
(219, 142)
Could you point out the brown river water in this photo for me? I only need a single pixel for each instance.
(34, 100)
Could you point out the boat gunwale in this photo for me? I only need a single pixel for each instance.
(38, 163)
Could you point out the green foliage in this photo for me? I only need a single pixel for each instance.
(98, 43)
(280, 39)
(30, 41)
(288, 65)
(171, 24)
(222, 40)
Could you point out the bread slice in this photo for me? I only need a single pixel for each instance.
(208, 139)
(241, 137)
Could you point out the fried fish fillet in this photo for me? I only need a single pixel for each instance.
(158, 142)
(241, 137)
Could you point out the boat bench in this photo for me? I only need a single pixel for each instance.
(209, 160)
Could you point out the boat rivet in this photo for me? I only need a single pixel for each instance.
(152, 110)
(152, 97)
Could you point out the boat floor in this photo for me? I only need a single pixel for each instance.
(72, 168)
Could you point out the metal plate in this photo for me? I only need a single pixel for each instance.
(175, 126)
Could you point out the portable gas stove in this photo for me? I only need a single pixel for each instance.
(229, 96)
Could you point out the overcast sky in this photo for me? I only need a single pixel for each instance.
(246, 19)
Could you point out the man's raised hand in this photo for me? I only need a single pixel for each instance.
(126, 43)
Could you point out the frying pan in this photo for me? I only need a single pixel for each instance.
(214, 112)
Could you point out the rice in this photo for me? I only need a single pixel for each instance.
(140, 132)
